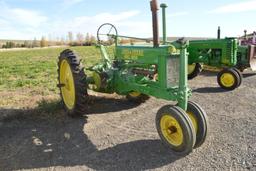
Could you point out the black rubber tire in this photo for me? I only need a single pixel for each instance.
(202, 122)
(240, 76)
(232, 72)
(81, 95)
(196, 72)
(140, 99)
(189, 135)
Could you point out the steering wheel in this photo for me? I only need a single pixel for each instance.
(107, 34)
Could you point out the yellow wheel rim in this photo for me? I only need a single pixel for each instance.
(68, 90)
(227, 80)
(191, 68)
(171, 130)
(134, 94)
(194, 120)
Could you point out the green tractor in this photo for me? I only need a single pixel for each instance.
(223, 55)
(158, 69)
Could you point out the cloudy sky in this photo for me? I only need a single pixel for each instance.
(27, 19)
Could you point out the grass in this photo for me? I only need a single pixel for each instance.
(37, 68)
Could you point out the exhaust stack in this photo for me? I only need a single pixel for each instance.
(219, 32)
(154, 9)
(245, 34)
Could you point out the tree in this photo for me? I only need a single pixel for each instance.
(35, 43)
(26, 44)
(70, 37)
(9, 45)
(62, 41)
(43, 42)
(87, 39)
(93, 40)
(80, 39)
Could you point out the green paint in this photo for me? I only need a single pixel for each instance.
(216, 52)
(166, 68)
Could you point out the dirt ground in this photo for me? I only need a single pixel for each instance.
(119, 135)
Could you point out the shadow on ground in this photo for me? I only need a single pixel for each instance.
(245, 75)
(42, 138)
(209, 90)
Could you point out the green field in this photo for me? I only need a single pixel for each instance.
(36, 68)
(26, 74)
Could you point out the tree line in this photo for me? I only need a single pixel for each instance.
(71, 40)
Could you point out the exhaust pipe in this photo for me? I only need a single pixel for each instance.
(219, 32)
(245, 34)
(154, 9)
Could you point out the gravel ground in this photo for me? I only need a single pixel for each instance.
(119, 135)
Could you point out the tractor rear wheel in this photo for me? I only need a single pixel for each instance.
(175, 128)
(72, 84)
(200, 122)
(194, 70)
(228, 79)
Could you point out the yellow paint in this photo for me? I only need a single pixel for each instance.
(172, 49)
(134, 94)
(132, 54)
(171, 130)
(97, 81)
(212, 69)
(191, 68)
(68, 90)
(194, 120)
(227, 79)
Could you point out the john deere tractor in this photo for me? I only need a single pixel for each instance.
(157, 69)
(223, 55)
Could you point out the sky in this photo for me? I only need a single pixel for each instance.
(29, 19)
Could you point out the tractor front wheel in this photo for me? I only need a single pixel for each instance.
(71, 78)
(200, 122)
(229, 79)
(176, 129)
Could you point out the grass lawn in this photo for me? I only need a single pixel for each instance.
(31, 75)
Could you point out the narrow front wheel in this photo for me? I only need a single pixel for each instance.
(175, 128)
(200, 122)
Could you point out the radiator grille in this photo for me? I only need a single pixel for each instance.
(172, 68)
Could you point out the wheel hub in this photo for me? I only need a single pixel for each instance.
(171, 130)
(67, 82)
(227, 80)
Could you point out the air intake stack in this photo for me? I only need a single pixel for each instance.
(219, 32)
